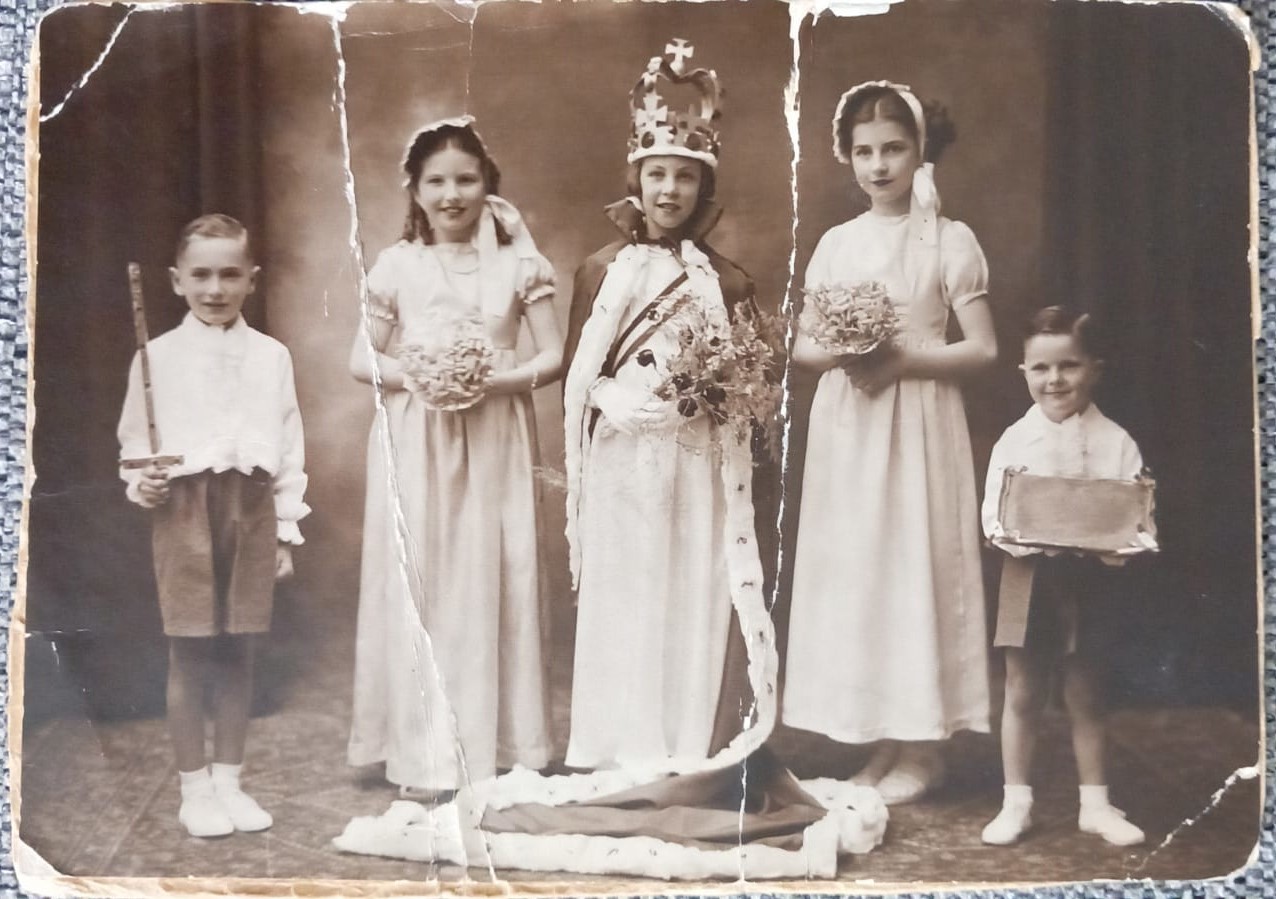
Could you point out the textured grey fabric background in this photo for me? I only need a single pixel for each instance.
(18, 20)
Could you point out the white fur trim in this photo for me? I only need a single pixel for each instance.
(670, 150)
(450, 834)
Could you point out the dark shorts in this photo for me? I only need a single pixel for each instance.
(214, 547)
(1066, 609)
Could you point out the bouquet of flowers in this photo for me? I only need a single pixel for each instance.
(447, 358)
(850, 319)
(727, 370)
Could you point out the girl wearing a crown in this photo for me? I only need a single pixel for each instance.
(887, 628)
(449, 679)
(660, 514)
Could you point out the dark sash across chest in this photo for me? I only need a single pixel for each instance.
(645, 324)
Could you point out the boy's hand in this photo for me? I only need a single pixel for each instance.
(152, 486)
(283, 562)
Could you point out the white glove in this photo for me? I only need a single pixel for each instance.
(628, 409)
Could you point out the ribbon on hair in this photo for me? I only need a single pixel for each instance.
(923, 202)
(921, 252)
(494, 280)
(905, 93)
(461, 121)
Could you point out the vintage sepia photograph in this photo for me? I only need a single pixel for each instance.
(639, 446)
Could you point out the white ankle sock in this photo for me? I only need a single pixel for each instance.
(1017, 794)
(195, 783)
(244, 812)
(1099, 816)
(201, 811)
(1093, 795)
(225, 775)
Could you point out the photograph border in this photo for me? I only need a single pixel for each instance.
(18, 25)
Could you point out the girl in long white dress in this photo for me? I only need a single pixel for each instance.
(660, 512)
(887, 634)
(449, 674)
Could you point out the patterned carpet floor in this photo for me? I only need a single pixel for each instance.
(100, 799)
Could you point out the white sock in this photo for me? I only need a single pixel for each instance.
(1099, 816)
(1018, 795)
(195, 783)
(201, 811)
(225, 776)
(1093, 795)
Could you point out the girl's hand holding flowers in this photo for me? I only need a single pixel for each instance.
(447, 359)
(726, 370)
(850, 319)
(874, 372)
(628, 409)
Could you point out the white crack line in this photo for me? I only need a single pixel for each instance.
(1248, 772)
(409, 564)
(97, 64)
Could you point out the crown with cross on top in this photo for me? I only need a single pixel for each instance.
(660, 131)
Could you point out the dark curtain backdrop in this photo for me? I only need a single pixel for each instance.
(163, 131)
(1147, 226)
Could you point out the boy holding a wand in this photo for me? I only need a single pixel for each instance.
(217, 398)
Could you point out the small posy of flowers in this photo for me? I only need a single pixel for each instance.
(850, 319)
(728, 371)
(447, 358)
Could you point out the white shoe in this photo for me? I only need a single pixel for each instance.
(1011, 823)
(1109, 822)
(914, 775)
(243, 811)
(203, 815)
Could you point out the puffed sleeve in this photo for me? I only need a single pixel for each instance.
(817, 273)
(383, 285)
(817, 270)
(536, 280)
(962, 265)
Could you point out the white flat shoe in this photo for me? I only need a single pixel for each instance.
(204, 816)
(911, 779)
(1109, 822)
(1010, 825)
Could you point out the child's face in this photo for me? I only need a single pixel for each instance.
(450, 192)
(884, 157)
(215, 275)
(670, 193)
(1061, 376)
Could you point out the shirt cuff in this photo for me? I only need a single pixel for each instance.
(289, 532)
(287, 529)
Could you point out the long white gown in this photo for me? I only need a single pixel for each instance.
(887, 629)
(450, 544)
(654, 600)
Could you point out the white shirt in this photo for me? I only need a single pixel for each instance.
(1086, 445)
(224, 398)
